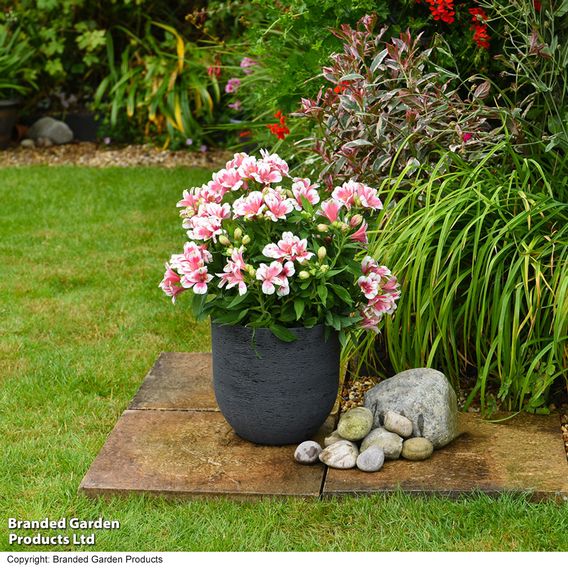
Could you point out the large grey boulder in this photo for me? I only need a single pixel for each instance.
(49, 128)
(425, 397)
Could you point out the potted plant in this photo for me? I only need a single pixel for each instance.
(280, 265)
(15, 79)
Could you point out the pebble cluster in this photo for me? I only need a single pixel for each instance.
(356, 444)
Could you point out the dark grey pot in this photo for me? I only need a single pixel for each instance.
(272, 392)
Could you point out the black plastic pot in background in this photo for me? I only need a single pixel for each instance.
(272, 392)
(8, 119)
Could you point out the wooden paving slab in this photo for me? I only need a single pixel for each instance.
(192, 454)
(523, 454)
(173, 441)
(177, 381)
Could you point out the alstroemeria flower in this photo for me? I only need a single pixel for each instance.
(232, 273)
(192, 258)
(360, 235)
(237, 160)
(303, 187)
(330, 209)
(369, 285)
(250, 205)
(204, 228)
(266, 173)
(197, 280)
(248, 167)
(368, 197)
(290, 247)
(278, 206)
(169, 283)
(232, 85)
(229, 179)
(270, 276)
(275, 161)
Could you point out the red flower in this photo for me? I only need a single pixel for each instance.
(537, 5)
(280, 130)
(442, 10)
(245, 133)
(341, 87)
(479, 27)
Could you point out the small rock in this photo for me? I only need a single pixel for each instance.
(372, 459)
(398, 424)
(27, 143)
(332, 438)
(389, 442)
(355, 424)
(341, 455)
(44, 142)
(417, 449)
(307, 452)
(56, 130)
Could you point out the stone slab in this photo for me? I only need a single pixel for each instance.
(177, 381)
(523, 454)
(193, 454)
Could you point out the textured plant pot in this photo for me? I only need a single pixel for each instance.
(8, 118)
(272, 392)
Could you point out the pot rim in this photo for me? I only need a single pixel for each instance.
(301, 328)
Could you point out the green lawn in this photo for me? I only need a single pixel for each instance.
(82, 320)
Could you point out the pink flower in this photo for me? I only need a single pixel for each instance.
(370, 320)
(467, 136)
(237, 105)
(232, 85)
(330, 209)
(232, 273)
(383, 304)
(360, 235)
(250, 205)
(353, 193)
(270, 276)
(278, 206)
(204, 228)
(275, 161)
(369, 285)
(368, 197)
(169, 283)
(303, 187)
(266, 173)
(246, 64)
(248, 167)
(236, 161)
(290, 247)
(229, 179)
(197, 280)
(369, 265)
(193, 257)
(345, 194)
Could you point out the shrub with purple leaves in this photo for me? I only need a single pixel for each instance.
(389, 107)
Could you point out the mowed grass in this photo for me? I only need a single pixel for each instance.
(82, 320)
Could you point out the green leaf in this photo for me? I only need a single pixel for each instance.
(342, 293)
(299, 306)
(283, 333)
(322, 293)
(236, 301)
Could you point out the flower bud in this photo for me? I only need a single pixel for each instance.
(238, 233)
(230, 251)
(246, 240)
(356, 220)
(324, 268)
(322, 253)
(304, 275)
(224, 240)
(251, 271)
(322, 228)
(344, 227)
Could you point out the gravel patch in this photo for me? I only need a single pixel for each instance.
(99, 156)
